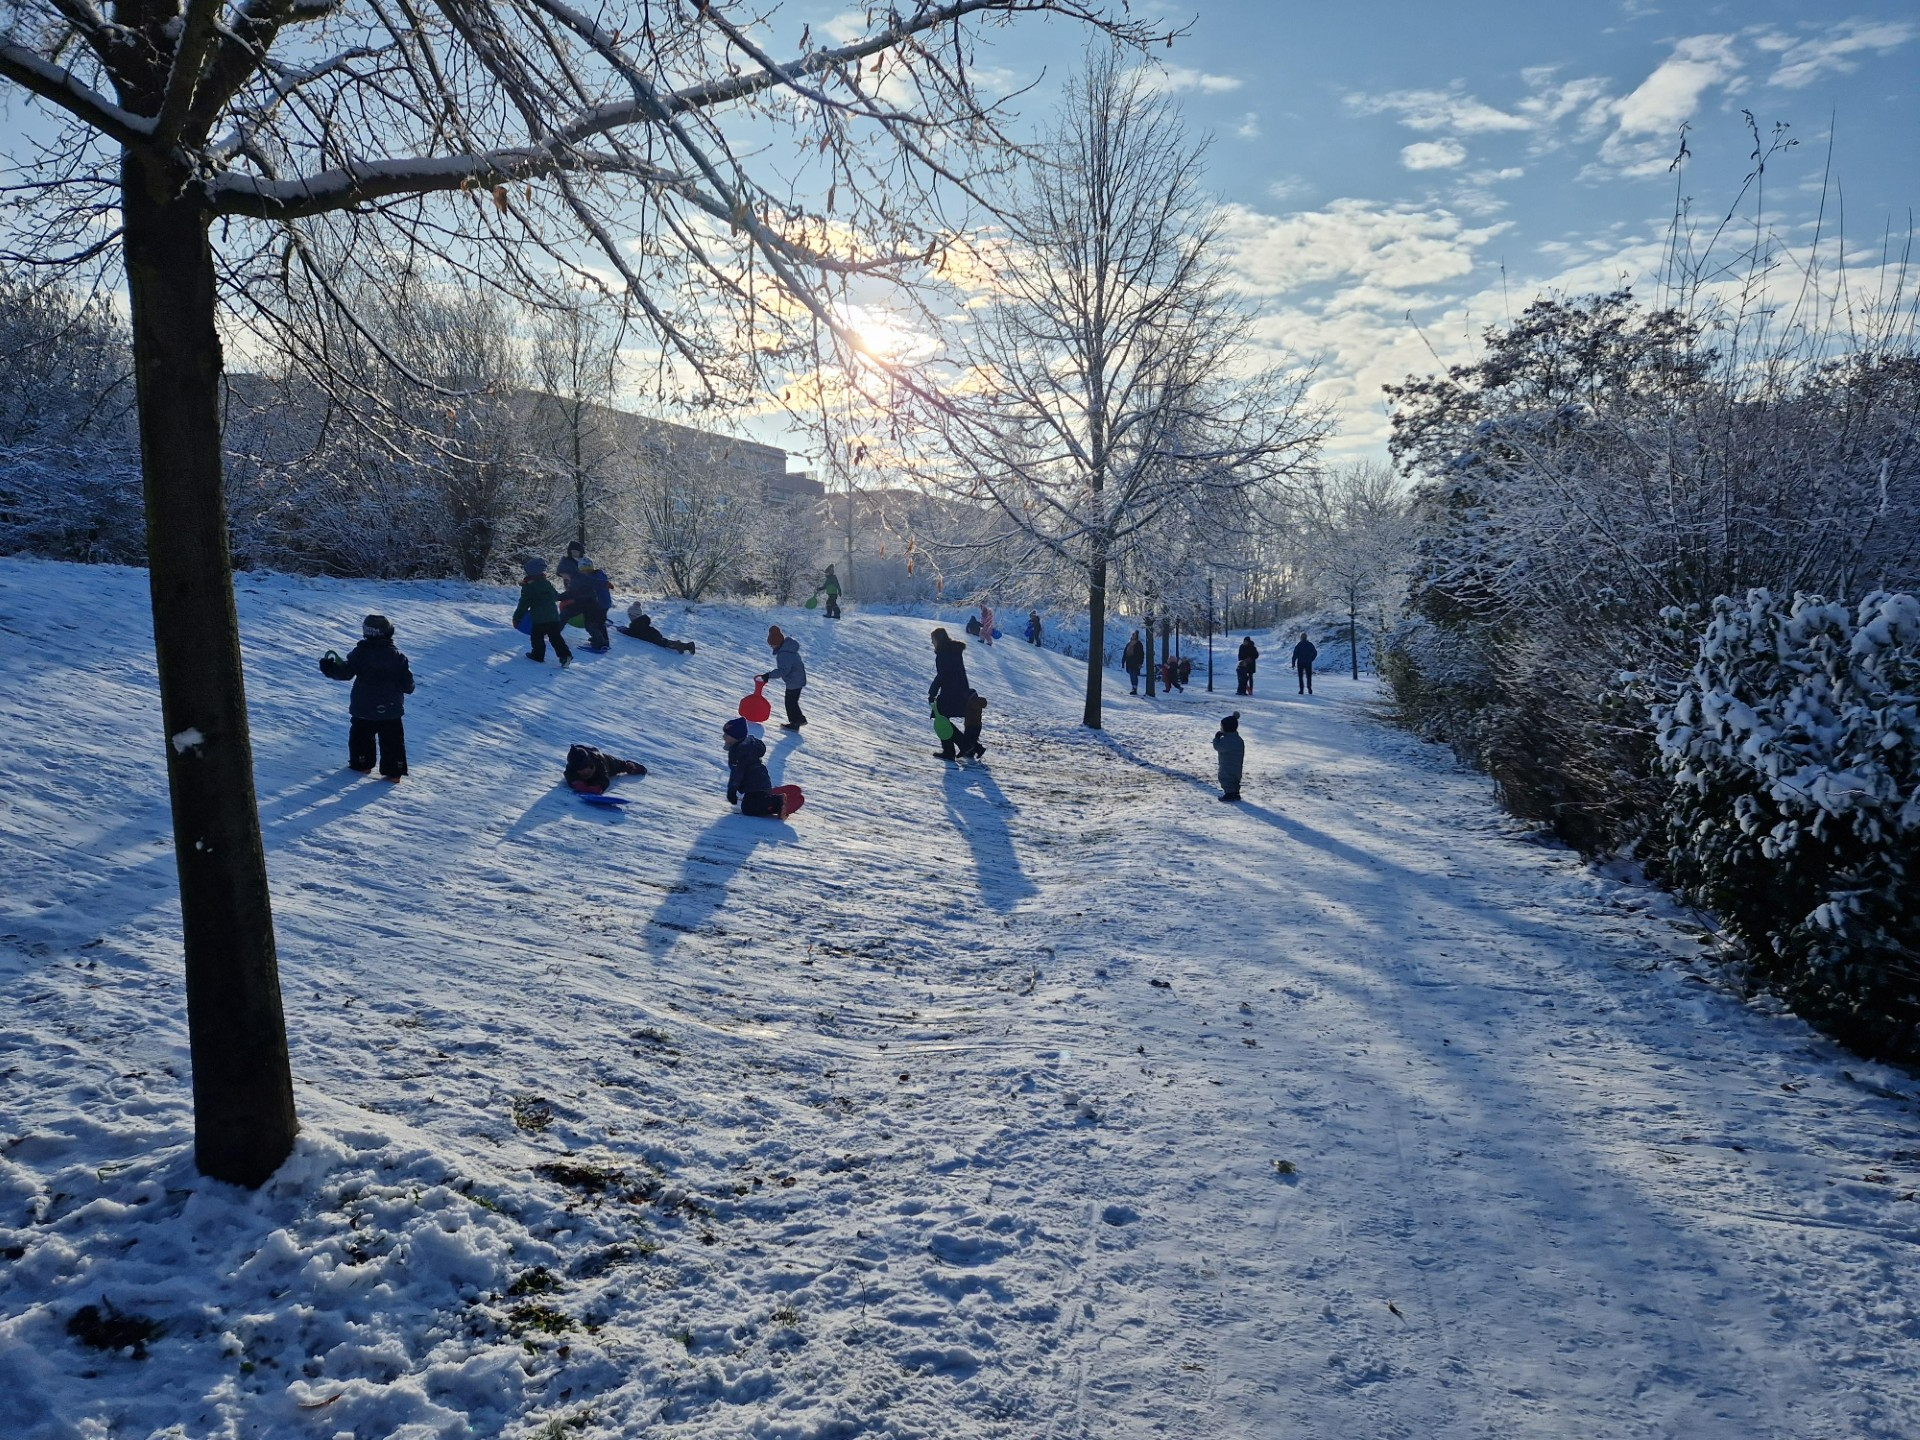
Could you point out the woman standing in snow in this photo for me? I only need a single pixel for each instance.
(952, 695)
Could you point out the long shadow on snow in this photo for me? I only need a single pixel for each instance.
(716, 853)
(975, 805)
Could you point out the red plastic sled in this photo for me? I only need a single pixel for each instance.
(790, 799)
(756, 709)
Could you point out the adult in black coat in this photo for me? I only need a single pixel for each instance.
(382, 680)
(1243, 670)
(1304, 654)
(952, 695)
(1133, 659)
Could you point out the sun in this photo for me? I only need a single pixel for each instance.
(883, 336)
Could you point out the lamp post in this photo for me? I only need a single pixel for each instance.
(1209, 634)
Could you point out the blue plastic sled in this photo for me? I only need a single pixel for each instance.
(614, 800)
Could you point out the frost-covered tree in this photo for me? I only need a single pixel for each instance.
(1108, 383)
(211, 144)
(1355, 543)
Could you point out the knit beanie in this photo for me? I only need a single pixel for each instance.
(1231, 723)
(534, 565)
(776, 637)
(735, 729)
(377, 627)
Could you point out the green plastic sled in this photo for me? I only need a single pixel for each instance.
(942, 726)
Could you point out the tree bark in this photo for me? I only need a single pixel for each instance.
(244, 1122)
(1096, 638)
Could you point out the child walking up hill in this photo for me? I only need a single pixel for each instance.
(1232, 751)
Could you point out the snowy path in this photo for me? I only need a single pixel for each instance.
(950, 1109)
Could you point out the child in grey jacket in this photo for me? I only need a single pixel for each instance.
(789, 671)
(1232, 751)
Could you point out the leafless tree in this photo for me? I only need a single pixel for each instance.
(1358, 537)
(576, 359)
(514, 138)
(1107, 382)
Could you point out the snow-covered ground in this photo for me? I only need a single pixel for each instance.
(1044, 1098)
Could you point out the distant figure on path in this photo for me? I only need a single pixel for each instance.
(830, 587)
(1304, 654)
(1243, 670)
(788, 669)
(382, 680)
(1232, 751)
(1133, 659)
(1033, 627)
(953, 696)
(540, 603)
(640, 626)
(986, 623)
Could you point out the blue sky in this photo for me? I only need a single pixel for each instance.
(1448, 162)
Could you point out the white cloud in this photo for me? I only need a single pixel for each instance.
(1804, 61)
(1287, 187)
(1647, 121)
(1587, 100)
(1249, 126)
(1178, 78)
(1672, 92)
(1433, 155)
(1386, 248)
(1448, 110)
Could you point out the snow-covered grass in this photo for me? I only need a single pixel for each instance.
(1042, 1098)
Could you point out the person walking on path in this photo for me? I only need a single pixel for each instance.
(1133, 659)
(596, 599)
(953, 696)
(788, 669)
(1243, 669)
(1304, 654)
(382, 680)
(1232, 751)
(830, 587)
(540, 603)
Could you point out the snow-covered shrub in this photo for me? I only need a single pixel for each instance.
(1793, 752)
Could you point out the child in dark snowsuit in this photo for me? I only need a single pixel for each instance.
(382, 680)
(593, 597)
(1243, 671)
(591, 771)
(747, 778)
(540, 602)
(1232, 751)
(640, 626)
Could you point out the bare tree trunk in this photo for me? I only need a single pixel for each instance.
(244, 1122)
(579, 475)
(1353, 633)
(1096, 638)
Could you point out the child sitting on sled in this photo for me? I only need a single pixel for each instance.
(747, 778)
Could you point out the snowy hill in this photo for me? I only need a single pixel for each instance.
(1048, 1097)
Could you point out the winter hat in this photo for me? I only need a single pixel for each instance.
(574, 547)
(735, 729)
(377, 627)
(776, 637)
(1231, 723)
(534, 565)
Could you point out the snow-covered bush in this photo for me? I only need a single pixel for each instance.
(1793, 751)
